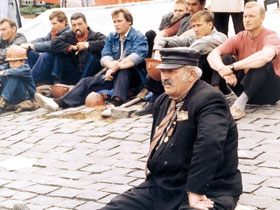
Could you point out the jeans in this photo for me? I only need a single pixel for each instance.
(65, 71)
(41, 66)
(12, 89)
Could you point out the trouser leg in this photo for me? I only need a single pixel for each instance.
(237, 19)
(13, 90)
(42, 69)
(262, 85)
(77, 95)
(32, 57)
(133, 199)
(92, 65)
(206, 69)
(123, 80)
(221, 22)
(150, 39)
(65, 71)
(220, 203)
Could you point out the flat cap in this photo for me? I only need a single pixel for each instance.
(176, 57)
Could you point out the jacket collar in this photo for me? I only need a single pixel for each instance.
(128, 35)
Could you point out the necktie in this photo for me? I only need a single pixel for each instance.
(160, 130)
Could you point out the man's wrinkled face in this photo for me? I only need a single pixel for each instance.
(79, 26)
(121, 24)
(252, 19)
(179, 9)
(201, 27)
(7, 32)
(175, 81)
(194, 6)
(57, 26)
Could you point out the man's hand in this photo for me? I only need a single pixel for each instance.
(27, 45)
(225, 71)
(74, 47)
(231, 79)
(157, 55)
(200, 201)
(113, 65)
(82, 45)
(109, 74)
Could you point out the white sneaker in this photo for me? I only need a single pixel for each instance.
(46, 103)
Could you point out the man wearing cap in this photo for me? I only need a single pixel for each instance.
(192, 164)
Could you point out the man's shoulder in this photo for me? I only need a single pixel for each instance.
(20, 35)
(167, 16)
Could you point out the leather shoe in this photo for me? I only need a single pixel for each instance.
(148, 109)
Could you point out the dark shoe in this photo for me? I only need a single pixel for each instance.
(116, 101)
(20, 206)
(148, 109)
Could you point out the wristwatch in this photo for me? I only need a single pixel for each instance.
(232, 67)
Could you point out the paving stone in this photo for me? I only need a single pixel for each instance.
(118, 135)
(272, 182)
(89, 205)
(66, 192)
(44, 201)
(70, 203)
(247, 154)
(268, 172)
(119, 179)
(261, 202)
(252, 179)
(40, 189)
(22, 196)
(116, 188)
(107, 198)
(92, 195)
(19, 184)
(268, 191)
(138, 137)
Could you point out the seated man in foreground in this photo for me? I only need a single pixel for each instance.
(255, 74)
(123, 56)
(192, 164)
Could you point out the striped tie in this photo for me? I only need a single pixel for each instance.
(160, 130)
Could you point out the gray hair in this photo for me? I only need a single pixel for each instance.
(197, 70)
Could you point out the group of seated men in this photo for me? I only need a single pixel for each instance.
(74, 55)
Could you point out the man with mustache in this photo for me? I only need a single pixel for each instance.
(192, 164)
(40, 58)
(78, 52)
(249, 63)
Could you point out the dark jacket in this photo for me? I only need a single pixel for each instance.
(4, 44)
(43, 44)
(184, 23)
(200, 156)
(61, 44)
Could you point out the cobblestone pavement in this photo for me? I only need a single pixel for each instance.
(81, 162)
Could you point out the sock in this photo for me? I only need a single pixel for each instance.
(241, 101)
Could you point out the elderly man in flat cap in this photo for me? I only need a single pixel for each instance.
(192, 161)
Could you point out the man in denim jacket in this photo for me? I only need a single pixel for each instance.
(123, 56)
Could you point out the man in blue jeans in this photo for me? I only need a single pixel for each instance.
(77, 51)
(123, 56)
(40, 58)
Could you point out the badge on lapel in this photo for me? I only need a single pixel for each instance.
(182, 115)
